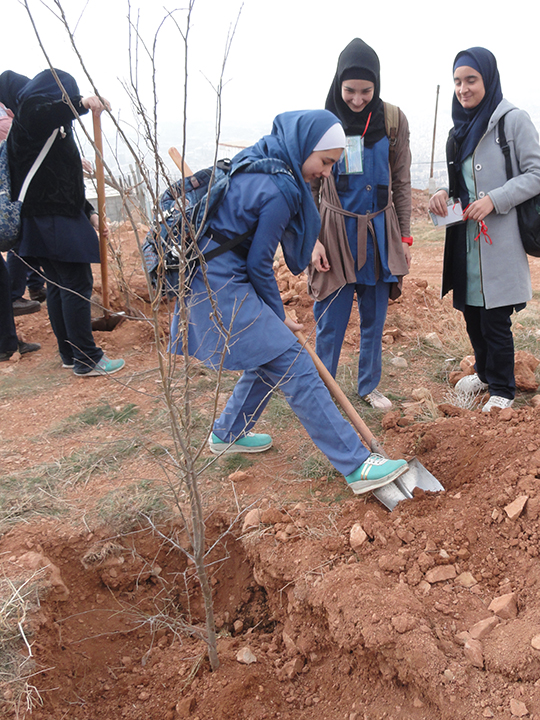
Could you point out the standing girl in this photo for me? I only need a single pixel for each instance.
(236, 317)
(484, 261)
(365, 204)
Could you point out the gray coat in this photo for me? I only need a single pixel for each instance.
(504, 268)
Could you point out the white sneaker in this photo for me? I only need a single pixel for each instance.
(497, 401)
(470, 385)
(377, 400)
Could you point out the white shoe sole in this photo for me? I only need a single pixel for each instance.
(224, 449)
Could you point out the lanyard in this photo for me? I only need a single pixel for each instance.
(367, 125)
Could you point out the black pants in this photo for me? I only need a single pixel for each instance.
(8, 334)
(490, 333)
(22, 274)
(69, 288)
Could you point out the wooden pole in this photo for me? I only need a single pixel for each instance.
(434, 132)
(100, 181)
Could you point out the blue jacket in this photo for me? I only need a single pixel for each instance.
(248, 324)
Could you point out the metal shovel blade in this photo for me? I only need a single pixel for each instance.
(402, 488)
(390, 495)
(420, 477)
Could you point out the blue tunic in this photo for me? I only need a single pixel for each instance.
(363, 193)
(250, 311)
(360, 193)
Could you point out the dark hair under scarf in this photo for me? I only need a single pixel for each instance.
(471, 124)
(358, 62)
(11, 84)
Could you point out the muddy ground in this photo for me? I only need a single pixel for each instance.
(328, 606)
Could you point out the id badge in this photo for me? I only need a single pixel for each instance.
(354, 155)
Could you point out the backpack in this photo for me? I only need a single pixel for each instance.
(10, 210)
(178, 222)
(528, 212)
(161, 249)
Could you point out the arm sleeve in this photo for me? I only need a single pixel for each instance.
(273, 219)
(401, 177)
(525, 151)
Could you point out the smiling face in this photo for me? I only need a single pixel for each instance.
(320, 163)
(469, 87)
(357, 94)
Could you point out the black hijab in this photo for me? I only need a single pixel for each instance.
(358, 62)
(11, 84)
(470, 125)
(44, 85)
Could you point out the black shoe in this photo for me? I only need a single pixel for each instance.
(25, 347)
(39, 294)
(22, 306)
(5, 356)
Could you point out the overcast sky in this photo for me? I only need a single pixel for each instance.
(284, 53)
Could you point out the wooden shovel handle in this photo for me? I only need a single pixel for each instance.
(341, 399)
(179, 161)
(100, 181)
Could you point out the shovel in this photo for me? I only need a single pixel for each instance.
(109, 320)
(179, 161)
(401, 488)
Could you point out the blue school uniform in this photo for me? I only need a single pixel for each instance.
(365, 192)
(250, 311)
(247, 329)
(362, 193)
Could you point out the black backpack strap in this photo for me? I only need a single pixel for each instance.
(225, 244)
(505, 148)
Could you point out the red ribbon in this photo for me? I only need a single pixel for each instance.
(483, 230)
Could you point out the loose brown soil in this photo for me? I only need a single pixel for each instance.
(400, 627)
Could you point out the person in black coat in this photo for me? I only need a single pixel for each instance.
(58, 224)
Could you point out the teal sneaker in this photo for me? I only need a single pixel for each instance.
(103, 367)
(250, 443)
(374, 473)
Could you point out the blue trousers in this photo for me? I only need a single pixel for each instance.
(490, 333)
(332, 315)
(69, 289)
(295, 374)
(8, 334)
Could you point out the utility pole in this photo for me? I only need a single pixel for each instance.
(431, 185)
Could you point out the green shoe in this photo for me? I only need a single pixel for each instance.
(374, 473)
(103, 367)
(250, 443)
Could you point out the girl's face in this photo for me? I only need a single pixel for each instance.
(357, 94)
(320, 163)
(469, 87)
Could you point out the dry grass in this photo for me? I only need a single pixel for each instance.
(18, 598)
